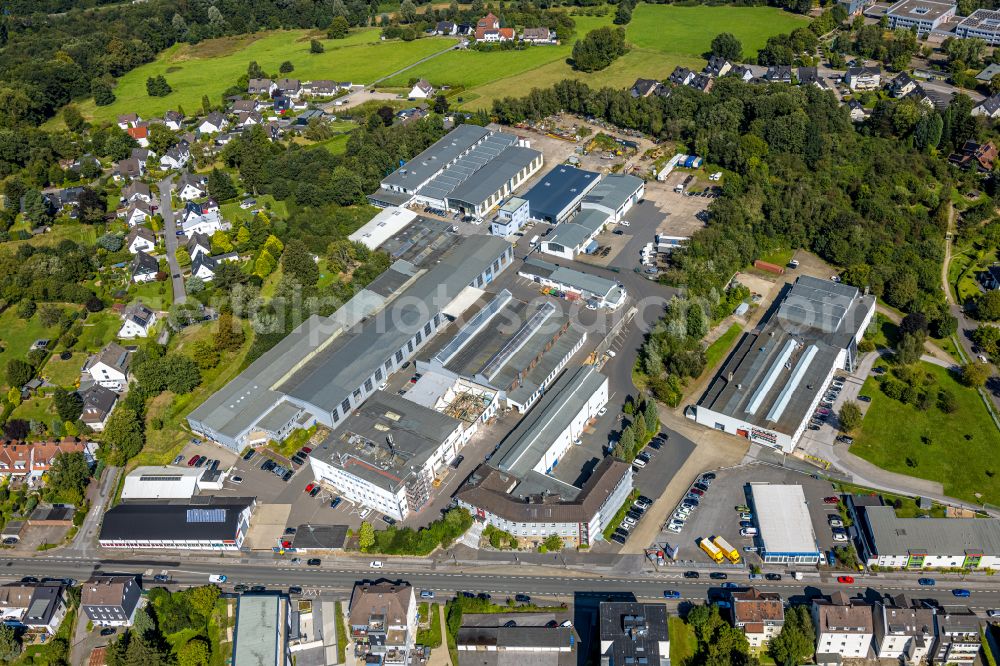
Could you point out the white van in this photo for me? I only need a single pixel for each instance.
(748, 531)
(534, 241)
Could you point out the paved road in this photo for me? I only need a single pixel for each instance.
(507, 581)
(85, 542)
(170, 238)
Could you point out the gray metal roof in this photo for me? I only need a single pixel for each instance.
(589, 284)
(469, 166)
(260, 630)
(278, 417)
(441, 153)
(334, 371)
(613, 190)
(493, 176)
(931, 536)
(535, 434)
(579, 230)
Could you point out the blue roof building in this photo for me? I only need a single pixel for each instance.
(559, 193)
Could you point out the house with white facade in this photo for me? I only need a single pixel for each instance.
(191, 187)
(140, 239)
(107, 368)
(844, 626)
(382, 621)
(144, 268)
(137, 322)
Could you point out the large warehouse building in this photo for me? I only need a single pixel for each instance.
(327, 367)
(385, 455)
(518, 494)
(471, 170)
(927, 543)
(220, 523)
(786, 530)
(774, 379)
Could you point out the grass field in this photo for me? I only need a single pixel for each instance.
(662, 37)
(154, 295)
(214, 65)
(232, 211)
(957, 449)
(78, 233)
(99, 329)
(38, 408)
(17, 337)
(682, 640)
(64, 373)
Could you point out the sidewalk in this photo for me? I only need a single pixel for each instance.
(439, 655)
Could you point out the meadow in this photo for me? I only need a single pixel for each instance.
(210, 67)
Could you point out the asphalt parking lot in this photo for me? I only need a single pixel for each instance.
(716, 514)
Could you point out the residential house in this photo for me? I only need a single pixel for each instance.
(173, 120)
(111, 600)
(717, 66)
(127, 120)
(128, 169)
(197, 244)
(989, 107)
(144, 268)
(903, 633)
(421, 90)
(990, 278)
(244, 106)
(702, 82)
(137, 321)
(843, 626)
(140, 134)
(778, 74)
(177, 156)
(137, 213)
(742, 72)
(411, 114)
(759, 614)
(857, 112)
(140, 239)
(809, 76)
(213, 123)
(204, 266)
(37, 607)
(539, 36)
(143, 155)
(383, 620)
(321, 88)
(982, 155)
(191, 187)
(98, 403)
(863, 78)
(281, 104)
(136, 191)
(681, 76)
(261, 87)
(485, 24)
(902, 85)
(290, 88)
(43, 454)
(445, 28)
(15, 459)
(107, 368)
(645, 87)
(466, 30)
(958, 636)
(249, 119)
(206, 221)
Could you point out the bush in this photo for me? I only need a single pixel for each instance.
(407, 541)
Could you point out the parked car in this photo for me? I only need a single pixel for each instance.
(746, 515)
(831, 500)
(926, 581)
(835, 521)
(671, 594)
(294, 589)
(389, 520)
(201, 461)
(702, 487)
(718, 575)
(522, 598)
(619, 539)
(692, 574)
(676, 529)
(847, 580)
(746, 523)
(748, 532)
(108, 631)
(772, 576)
(376, 564)
(287, 475)
(426, 594)
(742, 508)
(236, 479)
(864, 398)
(314, 562)
(193, 460)
(335, 502)
(697, 491)
(729, 586)
(457, 461)
(310, 487)
(217, 578)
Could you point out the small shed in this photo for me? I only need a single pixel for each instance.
(13, 529)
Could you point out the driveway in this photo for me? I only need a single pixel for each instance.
(170, 238)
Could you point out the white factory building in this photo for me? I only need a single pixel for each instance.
(773, 381)
(383, 226)
(786, 530)
(169, 482)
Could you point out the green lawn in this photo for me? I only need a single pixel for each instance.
(154, 295)
(99, 328)
(688, 31)
(78, 233)
(39, 408)
(718, 349)
(682, 640)
(957, 449)
(17, 337)
(212, 66)
(232, 211)
(662, 37)
(64, 373)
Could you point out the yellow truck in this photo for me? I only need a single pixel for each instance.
(731, 553)
(712, 550)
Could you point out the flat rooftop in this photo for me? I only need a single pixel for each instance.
(783, 516)
(558, 189)
(613, 190)
(492, 177)
(924, 10)
(360, 443)
(982, 19)
(773, 376)
(579, 229)
(931, 536)
(422, 242)
(585, 282)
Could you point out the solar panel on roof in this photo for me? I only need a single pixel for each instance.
(206, 515)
